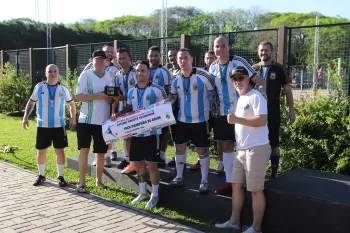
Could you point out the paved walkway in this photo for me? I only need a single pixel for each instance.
(48, 208)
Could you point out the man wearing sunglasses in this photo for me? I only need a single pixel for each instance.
(50, 97)
(253, 150)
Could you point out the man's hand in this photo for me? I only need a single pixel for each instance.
(25, 123)
(72, 123)
(100, 96)
(291, 115)
(113, 117)
(232, 118)
(166, 101)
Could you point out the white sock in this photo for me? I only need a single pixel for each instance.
(126, 158)
(221, 165)
(155, 188)
(142, 187)
(41, 168)
(108, 154)
(125, 150)
(180, 161)
(162, 155)
(228, 161)
(60, 169)
(204, 162)
(114, 147)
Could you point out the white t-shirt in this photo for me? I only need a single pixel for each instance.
(248, 106)
(94, 112)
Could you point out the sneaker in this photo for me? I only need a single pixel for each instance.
(81, 189)
(203, 187)
(61, 181)
(101, 186)
(172, 162)
(152, 202)
(130, 168)
(108, 162)
(177, 182)
(39, 180)
(123, 164)
(229, 225)
(140, 197)
(195, 167)
(94, 162)
(220, 170)
(251, 230)
(161, 163)
(226, 189)
(114, 156)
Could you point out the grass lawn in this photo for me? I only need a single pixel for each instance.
(12, 134)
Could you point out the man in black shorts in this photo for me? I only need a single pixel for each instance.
(276, 78)
(50, 96)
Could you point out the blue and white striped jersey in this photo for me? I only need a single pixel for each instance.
(192, 94)
(50, 104)
(125, 82)
(160, 76)
(227, 93)
(144, 97)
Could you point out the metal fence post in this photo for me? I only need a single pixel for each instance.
(184, 41)
(282, 45)
(115, 45)
(1, 59)
(17, 62)
(68, 59)
(31, 67)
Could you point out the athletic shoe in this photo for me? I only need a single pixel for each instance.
(39, 180)
(108, 162)
(114, 156)
(81, 189)
(177, 182)
(152, 202)
(123, 164)
(161, 164)
(195, 167)
(140, 197)
(61, 181)
(172, 162)
(203, 187)
(226, 189)
(251, 230)
(220, 170)
(101, 186)
(229, 225)
(130, 168)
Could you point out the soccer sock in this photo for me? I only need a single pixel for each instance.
(114, 147)
(155, 188)
(180, 160)
(41, 168)
(221, 165)
(204, 162)
(228, 161)
(108, 154)
(126, 154)
(60, 169)
(142, 187)
(162, 155)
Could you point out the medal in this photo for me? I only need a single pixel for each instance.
(52, 95)
(51, 102)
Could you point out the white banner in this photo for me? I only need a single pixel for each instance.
(141, 121)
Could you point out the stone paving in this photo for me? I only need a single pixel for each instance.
(48, 208)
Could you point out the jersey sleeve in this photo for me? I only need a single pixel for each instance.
(34, 97)
(210, 82)
(68, 96)
(242, 62)
(173, 89)
(128, 101)
(167, 77)
(259, 104)
(82, 84)
(161, 94)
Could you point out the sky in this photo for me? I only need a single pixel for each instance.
(69, 11)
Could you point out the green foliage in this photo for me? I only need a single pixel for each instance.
(14, 91)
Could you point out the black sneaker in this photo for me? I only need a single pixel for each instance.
(39, 180)
(123, 164)
(114, 156)
(172, 162)
(61, 181)
(161, 163)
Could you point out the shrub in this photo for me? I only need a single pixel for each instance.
(14, 91)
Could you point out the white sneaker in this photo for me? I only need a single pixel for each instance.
(228, 225)
(251, 230)
(140, 197)
(94, 162)
(152, 202)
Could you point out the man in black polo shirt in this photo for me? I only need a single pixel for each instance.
(276, 78)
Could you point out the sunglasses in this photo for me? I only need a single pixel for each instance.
(238, 79)
(52, 71)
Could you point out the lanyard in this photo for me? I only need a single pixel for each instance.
(126, 80)
(186, 89)
(52, 96)
(139, 98)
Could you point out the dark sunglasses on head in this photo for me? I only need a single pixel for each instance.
(238, 79)
(52, 71)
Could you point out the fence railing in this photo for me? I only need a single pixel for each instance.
(310, 54)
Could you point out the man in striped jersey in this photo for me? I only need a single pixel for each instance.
(50, 97)
(125, 79)
(161, 76)
(191, 89)
(223, 131)
(94, 111)
(144, 150)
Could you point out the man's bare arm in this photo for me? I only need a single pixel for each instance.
(128, 108)
(29, 108)
(290, 102)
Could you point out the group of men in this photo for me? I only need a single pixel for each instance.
(220, 97)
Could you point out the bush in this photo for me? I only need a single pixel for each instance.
(14, 91)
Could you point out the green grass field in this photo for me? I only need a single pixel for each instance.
(12, 134)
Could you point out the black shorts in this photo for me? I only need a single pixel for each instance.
(196, 133)
(274, 131)
(45, 136)
(145, 149)
(86, 132)
(223, 131)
